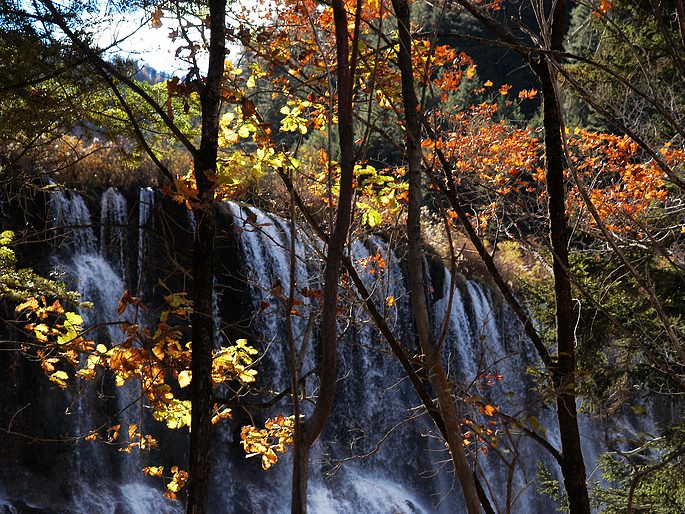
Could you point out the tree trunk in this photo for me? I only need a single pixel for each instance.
(436, 372)
(563, 370)
(311, 429)
(203, 268)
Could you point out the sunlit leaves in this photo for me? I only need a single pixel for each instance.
(154, 471)
(221, 414)
(482, 425)
(505, 165)
(378, 193)
(267, 442)
(71, 328)
(293, 121)
(371, 216)
(156, 18)
(234, 362)
(179, 478)
(60, 378)
(184, 378)
(373, 264)
(175, 413)
(528, 94)
(24, 285)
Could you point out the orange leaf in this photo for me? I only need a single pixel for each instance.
(489, 409)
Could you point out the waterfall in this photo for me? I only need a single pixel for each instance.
(70, 218)
(113, 222)
(98, 272)
(378, 455)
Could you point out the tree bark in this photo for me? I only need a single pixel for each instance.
(205, 167)
(311, 429)
(436, 371)
(564, 369)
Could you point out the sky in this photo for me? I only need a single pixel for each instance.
(143, 44)
(146, 45)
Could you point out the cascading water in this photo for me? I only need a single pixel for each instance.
(378, 454)
(98, 272)
(146, 202)
(113, 228)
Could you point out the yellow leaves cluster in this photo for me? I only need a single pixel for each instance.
(154, 359)
(59, 333)
(138, 440)
(154, 471)
(177, 480)
(184, 191)
(234, 362)
(379, 193)
(274, 437)
(293, 121)
(175, 413)
(221, 414)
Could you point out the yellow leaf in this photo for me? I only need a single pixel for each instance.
(40, 331)
(73, 318)
(87, 374)
(154, 471)
(158, 350)
(184, 378)
(59, 377)
(31, 304)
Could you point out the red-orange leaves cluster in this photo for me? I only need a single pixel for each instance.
(622, 186)
(483, 431)
(498, 163)
(374, 264)
(442, 66)
(494, 154)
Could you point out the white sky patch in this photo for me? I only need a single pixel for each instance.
(136, 40)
